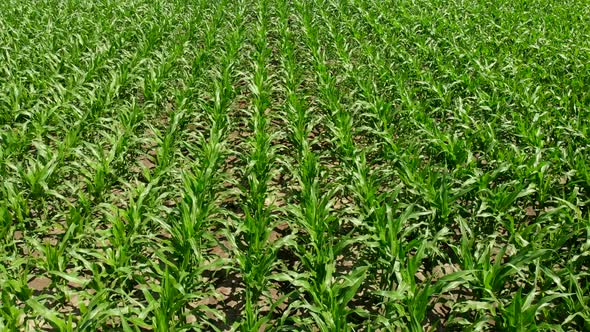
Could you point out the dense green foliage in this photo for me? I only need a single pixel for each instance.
(308, 165)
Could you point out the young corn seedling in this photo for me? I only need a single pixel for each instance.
(99, 172)
(172, 298)
(192, 233)
(38, 176)
(14, 292)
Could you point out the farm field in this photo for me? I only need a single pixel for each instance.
(294, 165)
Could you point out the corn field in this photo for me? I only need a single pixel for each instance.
(294, 165)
